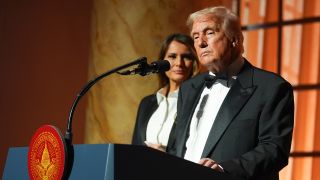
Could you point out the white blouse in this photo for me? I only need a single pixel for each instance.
(161, 121)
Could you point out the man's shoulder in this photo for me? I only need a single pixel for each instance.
(265, 76)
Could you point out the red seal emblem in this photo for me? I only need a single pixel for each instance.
(47, 154)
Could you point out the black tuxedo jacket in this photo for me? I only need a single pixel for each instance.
(251, 135)
(147, 107)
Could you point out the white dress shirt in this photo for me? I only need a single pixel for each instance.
(161, 121)
(200, 129)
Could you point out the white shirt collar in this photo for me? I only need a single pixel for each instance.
(160, 96)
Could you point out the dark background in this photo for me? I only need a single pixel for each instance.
(44, 52)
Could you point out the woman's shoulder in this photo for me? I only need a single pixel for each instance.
(148, 99)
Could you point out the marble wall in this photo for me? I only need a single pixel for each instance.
(123, 31)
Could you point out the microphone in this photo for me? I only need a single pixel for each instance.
(68, 136)
(85, 89)
(144, 68)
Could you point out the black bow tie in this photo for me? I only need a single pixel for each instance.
(210, 79)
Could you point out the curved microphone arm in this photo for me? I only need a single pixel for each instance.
(68, 135)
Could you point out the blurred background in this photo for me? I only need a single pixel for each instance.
(50, 49)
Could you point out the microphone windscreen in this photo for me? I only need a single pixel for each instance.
(161, 65)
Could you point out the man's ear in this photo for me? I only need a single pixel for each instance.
(234, 42)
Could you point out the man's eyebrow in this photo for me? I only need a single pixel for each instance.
(214, 28)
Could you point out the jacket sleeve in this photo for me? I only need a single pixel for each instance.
(137, 139)
(274, 138)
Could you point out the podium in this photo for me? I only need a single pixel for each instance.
(117, 162)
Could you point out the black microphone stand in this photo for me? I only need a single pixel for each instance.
(68, 136)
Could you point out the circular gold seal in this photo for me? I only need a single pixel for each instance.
(47, 154)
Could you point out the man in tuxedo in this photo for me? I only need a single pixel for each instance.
(237, 118)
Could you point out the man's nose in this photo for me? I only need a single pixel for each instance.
(203, 42)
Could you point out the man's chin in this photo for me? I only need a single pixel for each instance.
(211, 66)
(207, 62)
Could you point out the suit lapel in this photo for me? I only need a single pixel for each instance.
(191, 97)
(238, 95)
(153, 105)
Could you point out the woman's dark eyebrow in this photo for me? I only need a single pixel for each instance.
(171, 53)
